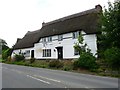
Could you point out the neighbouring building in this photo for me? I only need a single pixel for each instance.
(56, 39)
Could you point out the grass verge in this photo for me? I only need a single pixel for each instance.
(66, 65)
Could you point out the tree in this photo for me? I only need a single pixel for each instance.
(110, 23)
(109, 39)
(6, 51)
(4, 44)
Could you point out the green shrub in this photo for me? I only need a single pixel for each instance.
(19, 57)
(67, 68)
(56, 64)
(112, 57)
(87, 61)
(32, 60)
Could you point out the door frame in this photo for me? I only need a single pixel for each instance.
(59, 52)
(32, 53)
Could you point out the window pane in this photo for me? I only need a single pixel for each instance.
(76, 52)
(60, 37)
(47, 53)
(43, 53)
(44, 39)
(75, 35)
(49, 39)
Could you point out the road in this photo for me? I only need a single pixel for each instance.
(0, 76)
(14, 76)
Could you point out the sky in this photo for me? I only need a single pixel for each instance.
(17, 17)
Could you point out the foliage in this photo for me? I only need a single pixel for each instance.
(56, 64)
(32, 60)
(6, 53)
(19, 57)
(110, 22)
(109, 38)
(3, 44)
(80, 46)
(87, 61)
(67, 68)
(112, 57)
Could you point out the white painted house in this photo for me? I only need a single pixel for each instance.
(56, 39)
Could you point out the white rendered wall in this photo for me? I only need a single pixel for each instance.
(22, 51)
(67, 44)
(91, 41)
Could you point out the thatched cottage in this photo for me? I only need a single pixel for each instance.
(55, 40)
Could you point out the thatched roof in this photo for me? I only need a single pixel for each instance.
(86, 21)
(28, 40)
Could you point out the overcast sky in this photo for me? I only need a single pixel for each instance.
(19, 16)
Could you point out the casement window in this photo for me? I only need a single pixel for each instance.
(46, 52)
(49, 39)
(60, 37)
(27, 53)
(76, 52)
(75, 35)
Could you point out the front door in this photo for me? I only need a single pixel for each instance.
(60, 52)
(32, 54)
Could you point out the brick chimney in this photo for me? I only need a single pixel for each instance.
(98, 7)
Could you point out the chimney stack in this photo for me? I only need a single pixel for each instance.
(43, 23)
(98, 7)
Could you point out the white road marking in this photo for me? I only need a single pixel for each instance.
(38, 79)
(47, 78)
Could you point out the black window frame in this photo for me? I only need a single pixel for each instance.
(46, 52)
(49, 39)
(75, 35)
(44, 40)
(76, 52)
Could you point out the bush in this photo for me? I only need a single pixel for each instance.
(87, 61)
(56, 64)
(9, 58)
(67, 68)
(112, 57)
(32, 60)
(19, 57)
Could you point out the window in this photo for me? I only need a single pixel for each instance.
(46, 52)
(44, 39)
(60, 37)
(75, 35)
(27, 53)
(49, 39)
(76, 52)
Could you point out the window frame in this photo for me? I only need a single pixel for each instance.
(44, 40)
(75, 35)
(60, 37)
(76, 52)
(46, 52)
(27, 53)
(49, 39)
